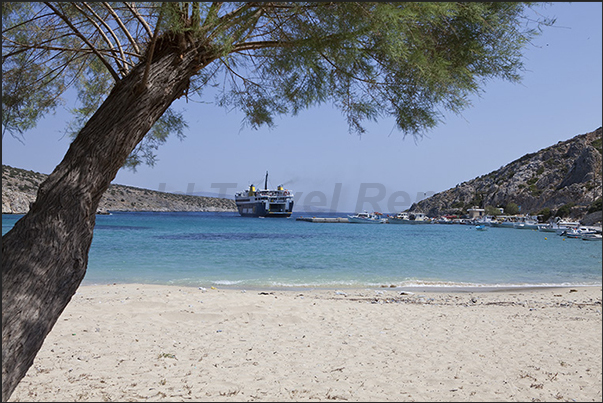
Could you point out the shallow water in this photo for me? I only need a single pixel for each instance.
(226, 250)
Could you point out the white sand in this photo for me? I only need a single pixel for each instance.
(161, 343)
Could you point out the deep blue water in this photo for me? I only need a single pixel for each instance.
(226, 250)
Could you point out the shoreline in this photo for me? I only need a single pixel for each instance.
(136, 342)
(353, 288)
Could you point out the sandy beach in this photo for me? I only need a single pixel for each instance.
(169, 343)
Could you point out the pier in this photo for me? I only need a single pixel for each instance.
(323, 219)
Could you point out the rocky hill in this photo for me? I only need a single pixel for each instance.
(19, 189)
(564, 176)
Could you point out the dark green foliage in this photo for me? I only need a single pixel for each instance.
(545, 214)
(511, 209)
(491, 210)
(565, 210)
(535, 191)
(597, 205)
(412, 61)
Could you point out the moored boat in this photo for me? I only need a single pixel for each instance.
(409, 218)
(526, 225)
(558, 226)
(550, 228)
(265, 202)
(581, 232)
(367, 218)
(592, 237)
(504, 222)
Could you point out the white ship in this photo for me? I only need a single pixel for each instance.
(265, 202)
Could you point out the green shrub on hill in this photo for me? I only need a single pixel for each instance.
(597, 205)
(564, 211)
(511, 208)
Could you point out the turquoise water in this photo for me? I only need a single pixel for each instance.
(225, 250)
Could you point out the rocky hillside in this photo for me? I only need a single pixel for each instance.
(19, 189)
(565, 174)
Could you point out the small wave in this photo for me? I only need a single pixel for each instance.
(433, 285)
(228, 282)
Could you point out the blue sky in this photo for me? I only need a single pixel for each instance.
(315, 156)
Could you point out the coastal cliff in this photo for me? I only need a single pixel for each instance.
(566, 175)
(19, 189)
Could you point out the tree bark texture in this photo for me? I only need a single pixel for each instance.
(45, 255)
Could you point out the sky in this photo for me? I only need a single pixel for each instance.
(329, 169)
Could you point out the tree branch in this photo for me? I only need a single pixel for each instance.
(122, 26)
(142, 21)
(83, 38)
(249, 25)
(262, 44)
(122, 67)
(226, 21)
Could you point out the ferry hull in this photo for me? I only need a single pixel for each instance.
(259, 210)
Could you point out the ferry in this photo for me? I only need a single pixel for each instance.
(265, 202)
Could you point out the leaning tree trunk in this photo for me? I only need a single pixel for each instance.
(45, 255)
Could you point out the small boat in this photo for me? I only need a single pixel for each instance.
(592, 237)
(517, 222)
(409, 218)
(481, 227)
(367, 218)
(579, 232)
(504, 222)
(550, 228)
(526, 223)
(558, 226)
(400, 218)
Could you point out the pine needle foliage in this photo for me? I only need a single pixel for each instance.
(414, 61)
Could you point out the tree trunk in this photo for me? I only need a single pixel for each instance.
(45, 255)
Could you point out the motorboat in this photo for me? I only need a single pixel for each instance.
(558, 226)
(504, 222)
(409, 218)
(581, 232)
(367, 218)
(550, 227)
(526, 225)
(594, 236)
(517, 222)
(526, 222)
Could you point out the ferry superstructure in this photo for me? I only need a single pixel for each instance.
(265, 202)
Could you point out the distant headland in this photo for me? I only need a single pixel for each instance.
(19, 188)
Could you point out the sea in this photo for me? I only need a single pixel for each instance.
(224, 250)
